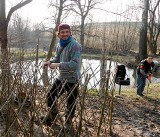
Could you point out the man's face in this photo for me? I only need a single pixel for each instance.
(150, 60)
(64, 34)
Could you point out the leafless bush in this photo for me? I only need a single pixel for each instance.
(27, 102)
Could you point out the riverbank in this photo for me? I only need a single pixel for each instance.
(127, 58)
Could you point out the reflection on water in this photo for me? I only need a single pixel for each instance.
(94, 70)
(89, 66)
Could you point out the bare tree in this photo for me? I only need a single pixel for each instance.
(153, 26)
(83, 11)
(19, 32)
(59, 6)
(128, 36)
(4, 21)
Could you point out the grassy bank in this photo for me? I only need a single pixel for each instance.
(153, 92)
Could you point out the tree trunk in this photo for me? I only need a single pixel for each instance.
(143, 32)
(82, 31)
(5, 67)
(4, 51)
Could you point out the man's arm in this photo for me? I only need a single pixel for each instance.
(56, 58)
(142, 67)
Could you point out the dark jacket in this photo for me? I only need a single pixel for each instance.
(144, 68)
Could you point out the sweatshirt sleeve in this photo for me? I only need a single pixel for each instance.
(143, 73)
(153, 65)
(74, 62)
(56, 58)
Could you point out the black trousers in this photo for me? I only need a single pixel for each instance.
(57, 90)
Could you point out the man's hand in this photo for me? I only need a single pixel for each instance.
(45, 64)
(149, 76)
(54, 65)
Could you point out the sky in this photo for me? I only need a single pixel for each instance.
(36, 11)
(114, 10)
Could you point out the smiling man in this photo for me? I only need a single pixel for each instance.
(67, 59)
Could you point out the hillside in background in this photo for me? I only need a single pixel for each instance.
(112, 36)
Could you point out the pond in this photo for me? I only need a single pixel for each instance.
(89, 66)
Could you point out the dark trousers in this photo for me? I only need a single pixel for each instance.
(57, 90)
(141, 81)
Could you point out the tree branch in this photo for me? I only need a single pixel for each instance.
(16, 7)
(157, 4)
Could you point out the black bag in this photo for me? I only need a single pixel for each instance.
(120, 76)
(121, 72)
(123, 82)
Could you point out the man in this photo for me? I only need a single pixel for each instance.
(144, 70)
(67, 59)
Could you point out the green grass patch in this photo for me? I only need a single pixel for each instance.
(91, 56)
(93, 91)
(153, 92)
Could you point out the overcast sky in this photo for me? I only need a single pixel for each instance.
(37, 11)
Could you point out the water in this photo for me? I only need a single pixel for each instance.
(95, 72)
(89, 66)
